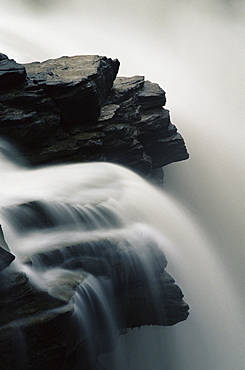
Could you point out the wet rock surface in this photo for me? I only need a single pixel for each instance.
(70, 110)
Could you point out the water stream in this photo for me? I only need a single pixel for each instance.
(193, 49)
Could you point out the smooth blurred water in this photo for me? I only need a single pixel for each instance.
(213, 335)
(194, 50)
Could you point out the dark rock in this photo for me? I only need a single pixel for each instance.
(124, 88)
(139, 105)
(36, 343)
(78, 85)
(11, 73)
(5, 258)
(2, 240)
(33, 324)
(167, 150)
(151, 96)
(174, 309)
(68, 111)
(121, 146)
(28, 116)
(20, 300)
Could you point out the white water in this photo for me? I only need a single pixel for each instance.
(215, 328)
(194, 49)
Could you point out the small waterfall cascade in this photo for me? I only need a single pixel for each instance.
(84, 250)
(128, 225)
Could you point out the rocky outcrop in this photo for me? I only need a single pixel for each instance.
(69, 110)
(67, 91)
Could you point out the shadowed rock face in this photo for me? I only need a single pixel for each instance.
(69, 110)
(5, 259)
(5, 256)
(11, 73)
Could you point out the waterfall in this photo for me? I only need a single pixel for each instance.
(142, 211)
(194, 50)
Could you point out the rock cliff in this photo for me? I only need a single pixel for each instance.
(75, 109)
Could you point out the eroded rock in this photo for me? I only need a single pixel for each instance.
(69, 110)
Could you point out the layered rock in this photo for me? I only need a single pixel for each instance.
(77, 85)
(69, 110)
(56, 93)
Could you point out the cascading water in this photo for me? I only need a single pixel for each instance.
(195, 53)
(216, 319)
(65, 226)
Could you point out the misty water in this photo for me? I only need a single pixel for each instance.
(194, 50)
